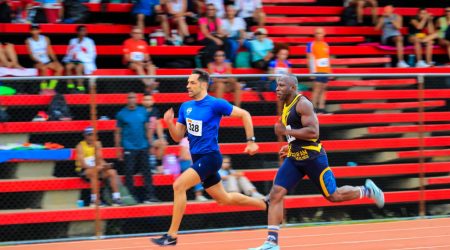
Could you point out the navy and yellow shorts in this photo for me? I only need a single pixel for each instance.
(207, 167)
(292, 171)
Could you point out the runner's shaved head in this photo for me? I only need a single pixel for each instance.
(290, 80)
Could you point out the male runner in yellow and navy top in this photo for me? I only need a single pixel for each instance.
(304, 155)
(200, 118)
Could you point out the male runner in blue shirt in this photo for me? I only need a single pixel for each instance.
(200, 118)
(304, 155)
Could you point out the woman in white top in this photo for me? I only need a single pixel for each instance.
(178, 11)
(251, 11)
(80, 59)
(234, 27)
(44, 58)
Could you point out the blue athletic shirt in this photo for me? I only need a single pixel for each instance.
(202, 120)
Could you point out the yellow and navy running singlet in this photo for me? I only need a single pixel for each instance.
(305, 157)
(298, 149)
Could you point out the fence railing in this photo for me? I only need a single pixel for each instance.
(392, 128)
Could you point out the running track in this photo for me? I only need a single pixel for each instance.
(401, 235)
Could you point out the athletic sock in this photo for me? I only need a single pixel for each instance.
(116, 195)
(70, 86)
(273, 234)
(364, 192)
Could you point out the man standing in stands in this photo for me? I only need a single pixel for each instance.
(137, 58)
(159, 142)
(318, 54)
(132, 140)
(41, 53)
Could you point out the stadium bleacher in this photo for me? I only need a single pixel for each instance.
(379, 129)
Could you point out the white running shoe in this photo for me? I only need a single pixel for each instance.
(375, 193)
(422, 64)
(258, 195)
(402, 64)
(267, 246)
(201, 198)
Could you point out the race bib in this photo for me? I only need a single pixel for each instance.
(194, 127)
(137, 56)
(288, 137)
(90, 161)
(323, 62)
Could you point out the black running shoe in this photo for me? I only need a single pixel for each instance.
(165, 240)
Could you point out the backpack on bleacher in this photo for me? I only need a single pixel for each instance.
(58, 109)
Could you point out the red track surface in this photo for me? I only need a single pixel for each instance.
(402, 235)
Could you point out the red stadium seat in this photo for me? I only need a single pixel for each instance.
(74, 183)
(165, 209)
(300, 20)
(348, 61)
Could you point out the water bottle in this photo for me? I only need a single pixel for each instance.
(412, 60)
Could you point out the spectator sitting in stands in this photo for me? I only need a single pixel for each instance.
(185, 161)
(8, 56)
(261, 49)
(136, 57)
(132, 140)
(234, 27)
(90, 164)
(80, 59)
(422, 32)
(318, 55)
(234, 181)
(177, 10)
(391, 24)
(443, 24)
(220, 85)
(44, 58)
(159, 142)
(359, 7)
(149, 12)
(251, 11)
(210, 34)
(22, 11)
(219, 5)
(280, 64)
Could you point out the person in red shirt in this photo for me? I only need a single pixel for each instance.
(137, 58)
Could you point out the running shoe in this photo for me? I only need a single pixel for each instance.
(267, 246)
(375, 193)
(165, 240)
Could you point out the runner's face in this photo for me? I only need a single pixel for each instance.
(194, 86)
(282, 90)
